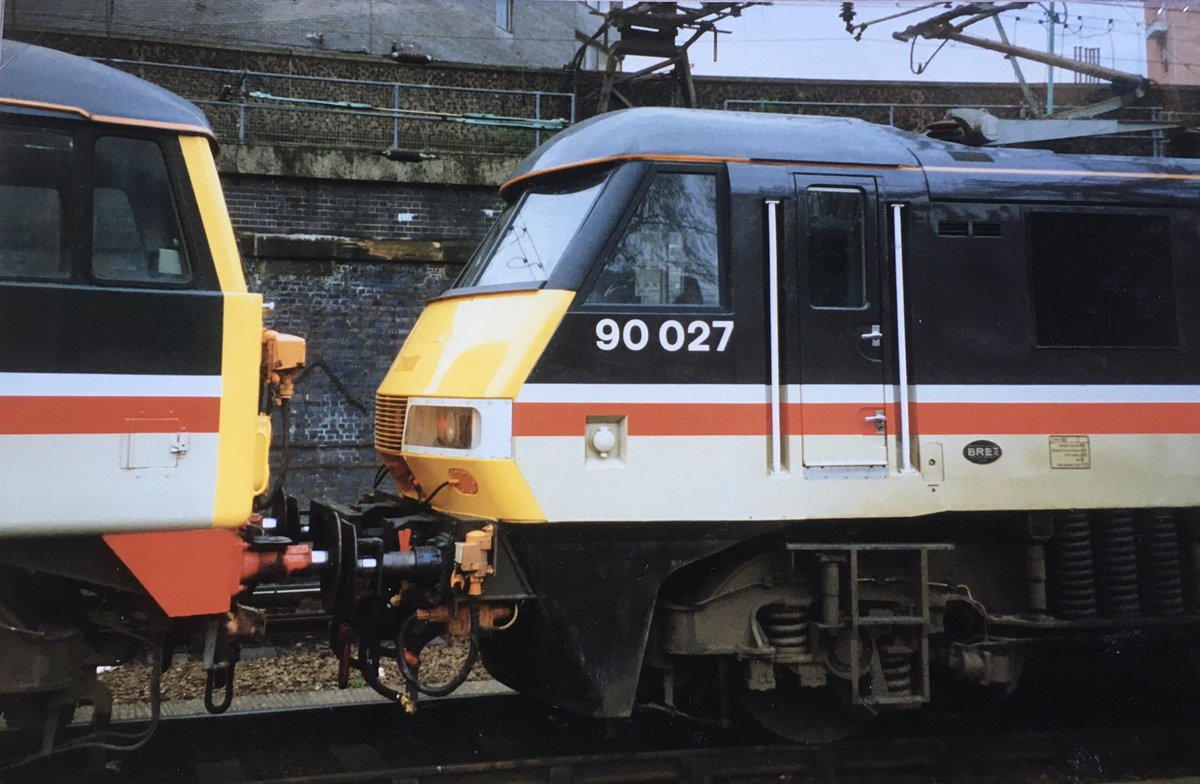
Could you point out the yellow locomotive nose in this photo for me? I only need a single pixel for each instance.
(444, 412)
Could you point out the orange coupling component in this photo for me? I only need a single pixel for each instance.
(458, 622)
(283, 356)
(259, 565)
(473, 557)
(246, 623)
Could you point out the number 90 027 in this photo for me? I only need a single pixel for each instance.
(672, 335)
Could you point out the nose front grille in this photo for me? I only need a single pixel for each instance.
(389, 422)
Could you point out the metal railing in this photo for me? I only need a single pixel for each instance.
(273, 108)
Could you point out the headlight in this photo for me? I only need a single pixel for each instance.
(458, 427)
(447, 427)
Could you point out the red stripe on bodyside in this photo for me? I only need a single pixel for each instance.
(644, 419)
(834, 419)
(20, 416)
(1047, 418)
(753, 419)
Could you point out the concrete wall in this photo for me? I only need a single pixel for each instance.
(541, 34)
(383, 211)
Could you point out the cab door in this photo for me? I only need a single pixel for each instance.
(843, 413)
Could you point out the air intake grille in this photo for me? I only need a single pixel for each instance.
(968, 229)
(389, 422)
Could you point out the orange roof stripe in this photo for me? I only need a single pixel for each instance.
(105, 118)
(828, 165)
(698, 159)
(618, 158)
(50, 107)
(1063, 172)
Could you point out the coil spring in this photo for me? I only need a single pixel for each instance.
(1117, 577)
(786, 627)
(897, 666)
(1162, 570)
(1074, 586)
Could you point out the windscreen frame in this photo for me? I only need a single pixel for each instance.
(620, 183)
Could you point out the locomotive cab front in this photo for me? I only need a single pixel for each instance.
(132, 363)
(446, 414)
(586, 269)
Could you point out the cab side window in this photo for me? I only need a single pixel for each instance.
(669, 252)
(136, 236)
(35, 177)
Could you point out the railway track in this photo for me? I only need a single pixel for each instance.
(498, 739)
(1044, 756)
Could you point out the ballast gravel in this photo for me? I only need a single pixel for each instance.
(297, 667)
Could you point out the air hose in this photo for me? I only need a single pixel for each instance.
(440, 690)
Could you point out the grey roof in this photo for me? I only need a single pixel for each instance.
(717, 134)
(659, 132)
(79, 87)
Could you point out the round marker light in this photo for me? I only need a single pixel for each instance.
(604, 440)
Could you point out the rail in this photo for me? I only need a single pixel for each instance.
(272, 108)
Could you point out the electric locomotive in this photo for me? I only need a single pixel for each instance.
(785, 411)
(136, 382)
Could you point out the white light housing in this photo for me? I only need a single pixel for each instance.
(458, 427)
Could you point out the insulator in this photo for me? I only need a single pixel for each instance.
(1161, 567)
(1117, 575)
(897, 666)
(786, 628)
(1073, 579)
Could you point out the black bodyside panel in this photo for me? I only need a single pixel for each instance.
(970, 292)
(968, 287)
(85, 329)
(573, 356)
(971, 314)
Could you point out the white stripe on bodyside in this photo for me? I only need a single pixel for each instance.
(1057, 393)
(841, 393)
(854, 393)
(107, 385)
(104, 497)
(643, 393)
